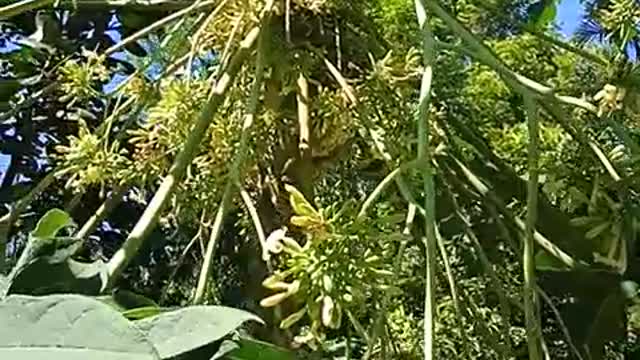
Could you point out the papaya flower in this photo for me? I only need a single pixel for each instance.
(276, 242)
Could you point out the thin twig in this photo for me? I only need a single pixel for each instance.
(198, 34)
(23, 6)
(155, 26)
(424, 153)
(252, 109)
(453, 290)
(103, 211)
(534, 333)
(160, 199)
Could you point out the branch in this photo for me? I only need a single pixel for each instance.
(20, 7)
(534, 335)
(550, 247)
(424, 153)
(157, 25)
(252, 109)
(149, 218)
(518, 82)
(103, 211)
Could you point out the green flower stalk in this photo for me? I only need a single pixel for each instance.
(428, 46)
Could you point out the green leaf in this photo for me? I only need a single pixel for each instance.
(542, 13)
(299, 204)
(130, 300)
(547, 262)
(68, 327)
(51, 223)
(46, 276)
(251, 349)
(8, 88)
(177, 332)
(4, 286)
(142, 313)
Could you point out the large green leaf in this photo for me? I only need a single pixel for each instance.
(251, 349)
(177, 332)
(68, 327)
(51, 223)
(47, 275)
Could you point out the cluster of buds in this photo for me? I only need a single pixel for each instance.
(610, 99)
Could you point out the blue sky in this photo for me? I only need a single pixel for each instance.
(569, 13)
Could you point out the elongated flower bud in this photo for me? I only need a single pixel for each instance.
(327, 310)
(291, 244)
(274, 283)
(274, 300)
(293, 287)
(293, 318)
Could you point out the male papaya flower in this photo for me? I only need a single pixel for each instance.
(278, 241)
(274, 300)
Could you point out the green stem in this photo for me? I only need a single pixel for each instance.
(454, 292)
(18, 208)
(382, 186)
(103, 211)
(424, 153)
(252, 109)
(522, 84)
(569, 47)
(534, 334)
(149, 218)
(545, 243)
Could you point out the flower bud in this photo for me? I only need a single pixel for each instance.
(327, 283)
(291, 244)
(274, 300)
(293, 318)
(328, 307)
(293, 287)
(274, 282)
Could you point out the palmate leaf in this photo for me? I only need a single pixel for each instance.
(177, 332)
(68, 327)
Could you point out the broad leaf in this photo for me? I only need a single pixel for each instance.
(4, 286)
(251, 349)
(68, 327)
(130, 300)
(132, 306)
(51, 223)
(142, 313)
(177, 332)
(46, 276)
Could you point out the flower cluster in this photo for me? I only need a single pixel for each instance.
(92, 161)
(77, 79)
(333, 273)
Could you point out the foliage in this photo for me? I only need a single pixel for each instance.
(305, 150)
